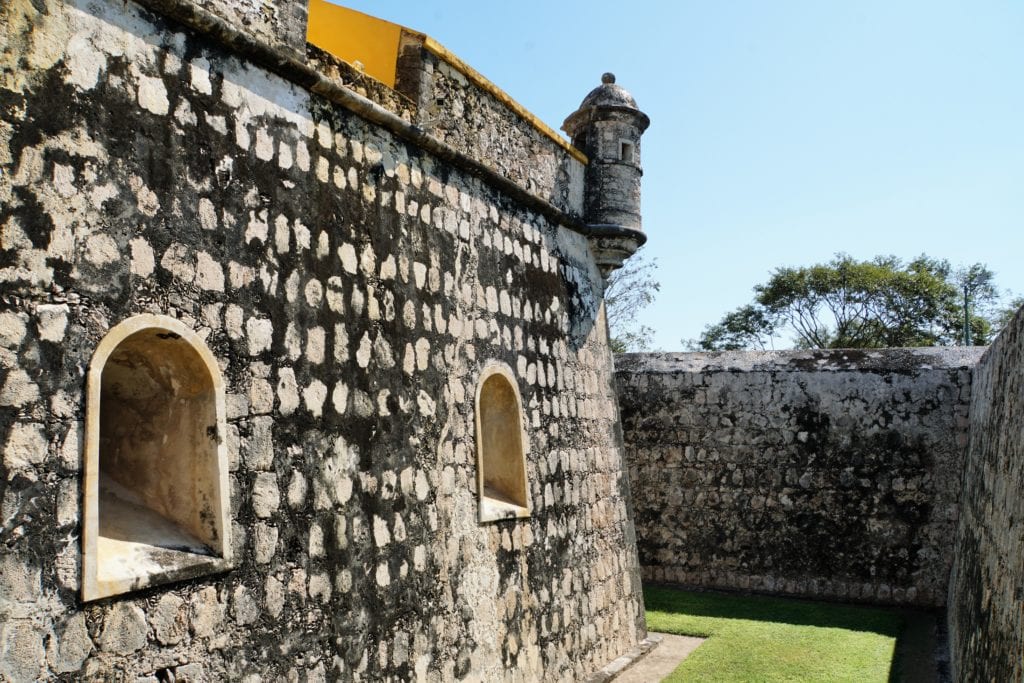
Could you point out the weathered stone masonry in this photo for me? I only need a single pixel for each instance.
(986, 590)
(831, 474)
(351, 286)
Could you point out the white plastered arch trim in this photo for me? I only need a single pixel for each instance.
(492, 508)
(93, 586)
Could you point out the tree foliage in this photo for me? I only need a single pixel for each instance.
(630, 289)
(1004, 315)
(845, 303)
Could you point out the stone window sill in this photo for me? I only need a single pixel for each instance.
(137, 547)
(494, 509)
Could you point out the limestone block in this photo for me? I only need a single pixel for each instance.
(124, 629)
(190, 673)
(168, 620)
(26, 446)
(264, 542)
(273, 596)
(52, 321)
(258, 448)
(244, 607)
(18, 389)
(260, 334)
(207, 613)
(21, 651)
(70, 646)
(266, 497)
(19, 580)
(287, 391)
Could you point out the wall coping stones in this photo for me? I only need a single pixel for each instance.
(817, 360)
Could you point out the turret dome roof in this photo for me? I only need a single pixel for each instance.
(608, 94)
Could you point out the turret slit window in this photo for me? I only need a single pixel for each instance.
(500, 446)
(156, 496)
(626, 152)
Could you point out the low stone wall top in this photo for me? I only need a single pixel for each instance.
(817, 360)
(830, 474)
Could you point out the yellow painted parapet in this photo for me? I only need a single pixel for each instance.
(356, 37)
(374, 44)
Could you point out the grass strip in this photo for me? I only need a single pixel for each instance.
(765, 639)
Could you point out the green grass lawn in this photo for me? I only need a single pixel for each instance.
(772, 639)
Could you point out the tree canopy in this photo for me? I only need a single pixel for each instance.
(629, 290)
(846, 303)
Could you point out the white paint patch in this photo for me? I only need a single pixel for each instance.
(52, 321)
(264, 144)
(218, 123)
(199, 75)
(287, 391)
(260, 332)
(177, 260)
(143, 260)
(101, 193)
(64, 180)
(101, 249)
(347, 254)
(84, 63)
(209, 273)
(153, 95)
(207, 214)
(145, 198)
(314, 396)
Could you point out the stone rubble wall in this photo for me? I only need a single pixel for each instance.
(455, 109)
(351, 288)
(986, 594)
(828, 474)
(279, 23)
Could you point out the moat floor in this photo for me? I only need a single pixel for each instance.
(762, 638)
(916, 648)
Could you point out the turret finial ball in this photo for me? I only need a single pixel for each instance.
(608, 77)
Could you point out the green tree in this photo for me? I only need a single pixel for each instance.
(977, 283)
(745, 328)
(845, 303)
(630, 289)
(1004, 315)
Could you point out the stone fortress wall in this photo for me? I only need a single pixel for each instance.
(986, 590)
(832, 474)
(353, 262)
(353, 279)
(845, 475)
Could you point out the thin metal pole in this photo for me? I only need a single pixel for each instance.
(967, 319)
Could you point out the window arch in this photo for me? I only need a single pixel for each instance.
(156, 493)
(500, 446)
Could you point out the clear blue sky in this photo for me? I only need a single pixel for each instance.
(781, 132)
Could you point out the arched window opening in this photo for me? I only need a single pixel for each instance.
(501, 458)
(156, 467)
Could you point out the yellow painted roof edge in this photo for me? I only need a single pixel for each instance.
(481, 81)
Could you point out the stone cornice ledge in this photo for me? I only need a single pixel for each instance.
(905, 360)
(299, 73)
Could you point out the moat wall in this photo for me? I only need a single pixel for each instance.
(831, 474)
(352, 287)
(986, 596)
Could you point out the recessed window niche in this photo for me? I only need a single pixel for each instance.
(626, 151)
(156, 494)
(501, 456)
